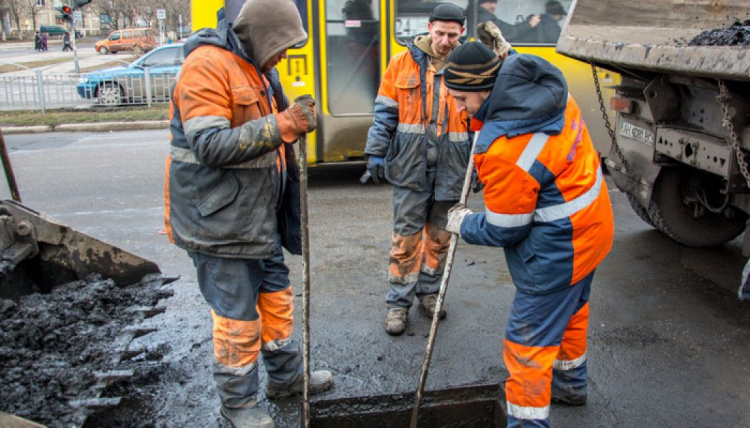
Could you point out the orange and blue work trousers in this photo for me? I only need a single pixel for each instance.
(251, 306)
(419, 244)
(545, 351)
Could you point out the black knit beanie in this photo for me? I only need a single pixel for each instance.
(448, 12)
(471, 67)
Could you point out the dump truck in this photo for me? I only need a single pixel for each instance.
(682, 127)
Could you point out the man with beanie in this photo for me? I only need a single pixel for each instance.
(546, 204)
(419, 142)
(511, 32)
(232, 199)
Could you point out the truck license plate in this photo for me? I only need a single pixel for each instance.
(636, 133)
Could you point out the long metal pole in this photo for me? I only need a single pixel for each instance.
(9, 170)
(441, 294)
(305, 232)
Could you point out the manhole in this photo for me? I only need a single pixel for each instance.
(465, 406)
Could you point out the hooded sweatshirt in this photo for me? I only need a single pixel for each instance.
(267, 27)
(227, 195)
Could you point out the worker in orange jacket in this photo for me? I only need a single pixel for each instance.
(547, 204)
(419, 143)
(233, 199)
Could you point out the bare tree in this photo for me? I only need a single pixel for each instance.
(31, 8)
(16, 9)
(114, 9)
(125, 13)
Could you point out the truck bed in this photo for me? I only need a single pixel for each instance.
(653, 36)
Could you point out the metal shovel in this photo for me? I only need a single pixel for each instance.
(441, 293)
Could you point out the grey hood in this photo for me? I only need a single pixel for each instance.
(267, 27)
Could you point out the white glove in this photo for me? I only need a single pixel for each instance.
(456, 218)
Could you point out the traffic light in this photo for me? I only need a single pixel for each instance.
(67, 13)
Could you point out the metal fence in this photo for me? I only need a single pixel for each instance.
(37, 89)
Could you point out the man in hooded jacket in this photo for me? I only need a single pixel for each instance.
(547, 204)
(232, 199)
(420, 144)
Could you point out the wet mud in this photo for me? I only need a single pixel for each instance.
(736, 35)
(60, 353)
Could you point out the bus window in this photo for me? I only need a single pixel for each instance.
(353, 47)
(526, 21)
(412, 17)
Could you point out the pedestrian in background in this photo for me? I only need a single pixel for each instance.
(43, 40)
(419, 142)
(66, 42)
(37, 42)
(546, 203)
(232, 199)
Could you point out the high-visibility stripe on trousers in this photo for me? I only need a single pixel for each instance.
(417, 263)
(545, 351)
(251, 308)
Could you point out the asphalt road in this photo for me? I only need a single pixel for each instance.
(667, 343)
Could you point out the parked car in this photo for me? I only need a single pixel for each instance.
(127, 39)
(56, 30)
(129, 84)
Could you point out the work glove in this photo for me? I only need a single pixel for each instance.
(456, 217)
(298, 119)
(493, 38)
(376, 168)
(476, 184)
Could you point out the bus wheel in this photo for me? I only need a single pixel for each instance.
(110, 94)
(677, 211)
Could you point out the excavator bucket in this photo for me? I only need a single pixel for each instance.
(651, 36)
(37, 254)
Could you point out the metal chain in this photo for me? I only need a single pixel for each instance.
(734, 141)
(605, 116)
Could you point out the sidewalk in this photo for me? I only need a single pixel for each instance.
(87, 127)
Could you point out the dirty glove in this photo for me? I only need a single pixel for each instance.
(493, 38)
(476, 184)
(456, 217)
(376, 168)
(298, 119)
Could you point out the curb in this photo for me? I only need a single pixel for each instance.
(88, 127)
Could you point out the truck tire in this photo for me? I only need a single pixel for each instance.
(639, 209)
(673, 216)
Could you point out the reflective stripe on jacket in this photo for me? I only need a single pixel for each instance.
(546, 203)
(404, 109)
(224, 175)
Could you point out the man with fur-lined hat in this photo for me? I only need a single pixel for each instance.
(233, 199)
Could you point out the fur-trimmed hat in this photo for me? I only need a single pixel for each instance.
(448, 12)
(471, 67)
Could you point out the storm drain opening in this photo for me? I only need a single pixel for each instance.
(464, 406)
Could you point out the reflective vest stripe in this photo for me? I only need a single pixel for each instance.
(413, 128)
(532, 150)
(178, 154)
(508, 220)
(569, 364)
(386, 101)
(560, 211)
(528, 413)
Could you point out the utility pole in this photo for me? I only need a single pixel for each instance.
(73, 39)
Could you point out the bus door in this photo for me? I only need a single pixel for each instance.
(349, 64)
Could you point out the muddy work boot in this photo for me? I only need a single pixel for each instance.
(248, 416)
(427, 305)
(395, 322)
(320, 381)
(568, 398)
